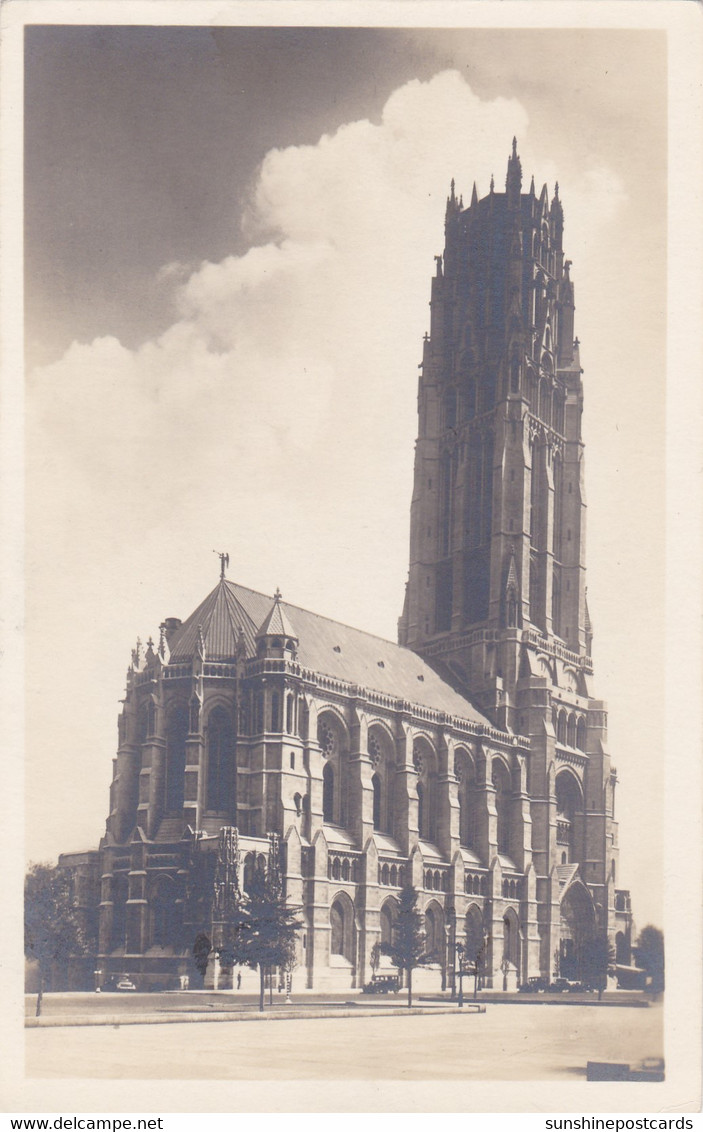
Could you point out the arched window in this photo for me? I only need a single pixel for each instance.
(561, 727)
(332, 740)
(511, 938)
(581, 734)
(473, 934)
(425, 762)
(468, 800)
(503, 802)
(275, 711)
(221, 771)
(337, 929)
(176, 733)
(434, 932)
(328, 793)
(381, 754)
(387, 920)
(342, 929)
(569, 807)
(571, 730)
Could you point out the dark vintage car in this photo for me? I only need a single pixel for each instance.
(383, 984)
(535, 985)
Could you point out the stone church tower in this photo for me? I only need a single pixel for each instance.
(496, 594)
(470, 759)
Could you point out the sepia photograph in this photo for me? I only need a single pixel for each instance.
(346, 538)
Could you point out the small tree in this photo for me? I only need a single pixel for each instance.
(264, 931)
(598, 961)
(201, 953)
(409, 947)
(650, 955)
(375, 957)
(52, 932)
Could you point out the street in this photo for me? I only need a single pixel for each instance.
(508, 1042)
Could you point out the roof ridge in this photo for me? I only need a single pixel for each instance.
(332, 620)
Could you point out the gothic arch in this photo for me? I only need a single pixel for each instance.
(388, 917)
(578, 928)
(220, 745)
(333, 738)
(581, 734)
(473, 933)
(502, 783)
(177, 726)
(342, 929)
(511, 938)
(569, 810)
(434, 931)
(468, 796)
(381, 751)
(425, 762)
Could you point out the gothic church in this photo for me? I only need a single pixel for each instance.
(470, 759)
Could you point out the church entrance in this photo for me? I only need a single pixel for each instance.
(578, 928)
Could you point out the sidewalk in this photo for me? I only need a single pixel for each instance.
(250, 1014)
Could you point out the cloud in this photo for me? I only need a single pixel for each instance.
(311, 335)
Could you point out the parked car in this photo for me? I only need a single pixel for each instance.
(535, 985)
(383, 984)
(124, 983)
(559, 986)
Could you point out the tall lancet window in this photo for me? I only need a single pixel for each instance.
(221, 776)
(176, 733)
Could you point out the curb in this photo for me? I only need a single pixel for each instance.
(254, 1016)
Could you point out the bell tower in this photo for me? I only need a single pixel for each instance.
(498, 511)
(496, 592)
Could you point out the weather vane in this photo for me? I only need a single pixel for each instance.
(224, 561)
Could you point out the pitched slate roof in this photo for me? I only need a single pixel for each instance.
(325, 646)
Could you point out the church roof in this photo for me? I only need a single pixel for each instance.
(325, 646)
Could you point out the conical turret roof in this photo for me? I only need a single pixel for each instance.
(219, 618)
(276, 623)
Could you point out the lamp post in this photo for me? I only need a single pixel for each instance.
(449, 952)
(460, 955)
(98, 979)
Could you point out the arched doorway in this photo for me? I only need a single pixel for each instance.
(578, 928)
(342, 958)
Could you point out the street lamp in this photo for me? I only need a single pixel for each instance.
(98, 980)
(460, 955)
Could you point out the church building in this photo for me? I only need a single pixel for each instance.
(471, 758)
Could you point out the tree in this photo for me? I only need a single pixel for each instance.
(263, 931)
(650, 955)
(598, 961)
(409, 947)
(375, 957)
(201, 953)
(52, 931)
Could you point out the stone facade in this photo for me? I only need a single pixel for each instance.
(470, 760)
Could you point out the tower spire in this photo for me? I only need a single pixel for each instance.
(513, 179)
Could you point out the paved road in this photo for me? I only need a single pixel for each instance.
(508, 1042)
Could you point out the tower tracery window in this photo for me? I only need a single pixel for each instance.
(221, 769)
(177, 721)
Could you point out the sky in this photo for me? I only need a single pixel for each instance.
(229, 241)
